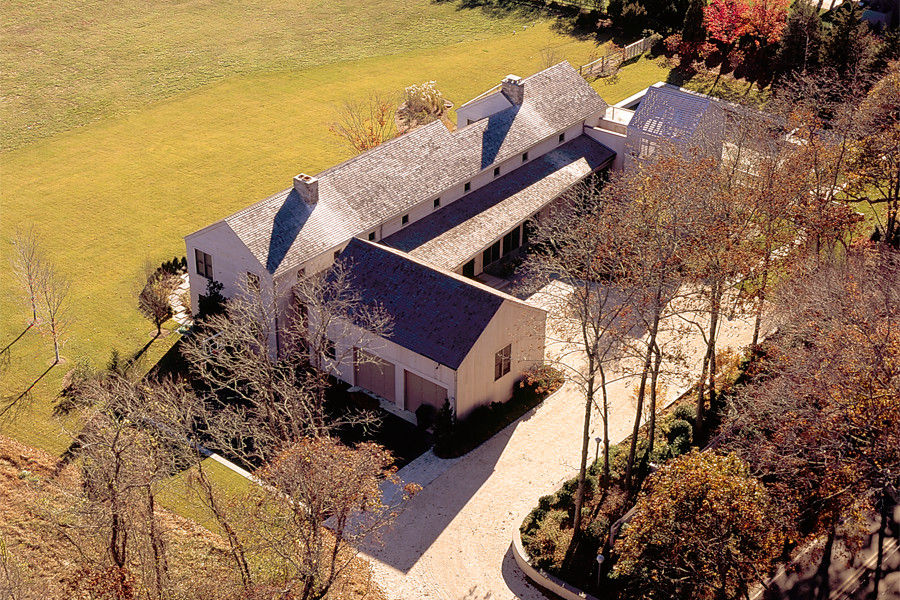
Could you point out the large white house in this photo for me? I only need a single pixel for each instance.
(423, 214)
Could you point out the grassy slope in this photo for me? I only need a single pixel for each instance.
(69, 62)
(111, 195)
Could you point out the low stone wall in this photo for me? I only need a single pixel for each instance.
(543, 579)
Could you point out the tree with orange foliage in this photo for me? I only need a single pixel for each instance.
(364, 124)
(819, 419)
(701, 531)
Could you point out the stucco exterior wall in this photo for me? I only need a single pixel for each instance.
(346, 337)
(522, 326)
(231, 262)
(611, 139)
(481, 108)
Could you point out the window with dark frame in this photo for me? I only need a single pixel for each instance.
(496, 171)
(502, 361)
(491, 254)
(511, 241)
(524, 157)
(404, 219)
(204, 264)
(371, 236)
(468, 186)
(337, 253)
(437, 202)
(301, 273)
(562, 137)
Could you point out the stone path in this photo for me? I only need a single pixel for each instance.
(180, 312)
(452, 542)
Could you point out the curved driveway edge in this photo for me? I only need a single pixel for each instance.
(540, 577)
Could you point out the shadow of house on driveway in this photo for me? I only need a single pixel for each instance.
(426, 516)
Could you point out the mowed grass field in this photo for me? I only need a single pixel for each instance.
(111, 195)
(65, 63)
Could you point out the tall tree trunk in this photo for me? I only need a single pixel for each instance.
(605, 423)
(880, 555)
(160, 565)
(585, 443)
(629, 466)
(654, 379)
(710, 358)
(761, 300)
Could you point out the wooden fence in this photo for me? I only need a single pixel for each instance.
(607, 65)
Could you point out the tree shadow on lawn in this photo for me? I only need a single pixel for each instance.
(425, 517)
(566, 20)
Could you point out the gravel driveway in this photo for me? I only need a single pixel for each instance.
(452, 542)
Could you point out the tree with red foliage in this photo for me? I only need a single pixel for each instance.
(726, 20)
(763, 21)
(766, 20)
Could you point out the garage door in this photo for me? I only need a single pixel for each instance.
(374, 374)
(419, 391)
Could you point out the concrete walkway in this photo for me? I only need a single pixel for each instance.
(452, 542)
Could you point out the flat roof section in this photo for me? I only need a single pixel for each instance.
(452, 235)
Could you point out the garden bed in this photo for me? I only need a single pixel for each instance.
(457, 437)
(546, 533)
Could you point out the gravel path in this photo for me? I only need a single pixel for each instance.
(452, 542)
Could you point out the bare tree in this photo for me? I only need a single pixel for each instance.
(654, 200)
(364, 124)
(154, 301)
(576, 264)
(319, 481)
(28, 265)
(53, 293)
(874, 166)
(123, 457)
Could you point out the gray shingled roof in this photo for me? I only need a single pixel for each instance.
(449, 237)
(436, 314)
(383, 183)
(671, 112)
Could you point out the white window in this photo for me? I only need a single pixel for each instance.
(502, 362)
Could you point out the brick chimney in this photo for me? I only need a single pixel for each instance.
(513, 88)
(308, 188)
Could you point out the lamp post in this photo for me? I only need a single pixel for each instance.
(600, 559)
(597, 453)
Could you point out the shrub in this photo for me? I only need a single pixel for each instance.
(542, 379)
(685, 412)
(425, 416)
(547, 546)
(679, 428)
(444, 426)
(546, 502)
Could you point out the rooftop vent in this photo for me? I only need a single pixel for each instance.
(513, 88)
(308, 188)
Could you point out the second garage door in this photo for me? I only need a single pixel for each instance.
(419, 391)
(374, 374)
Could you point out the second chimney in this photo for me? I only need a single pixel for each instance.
(307, 187)
(513, 88)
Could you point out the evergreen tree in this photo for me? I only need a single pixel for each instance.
(693, 32)
(801, 47)
(849, 45)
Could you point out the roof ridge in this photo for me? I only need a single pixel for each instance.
(446, 272)
(381, 147)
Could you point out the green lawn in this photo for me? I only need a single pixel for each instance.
(108, 196)
(65, 63)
